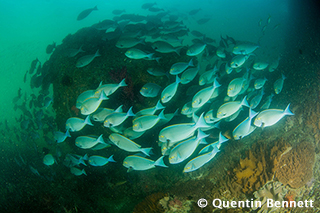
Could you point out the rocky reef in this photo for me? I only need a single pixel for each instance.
(259, 165)
(295, 167)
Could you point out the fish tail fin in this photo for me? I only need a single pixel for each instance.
(84, 172)
(123, 83)
(178, 80)
(81, 50)
(216, 83)
(244, 102)
(146, 151)
(215, 150)
(190, 64)
(88, 121)
(149, 56)
(97, 53)
(95, 8)
(162, 116)
(222, 139)
(201, 135)
(283, 76)
(110, 159)
(159, 105)
(119, 109)
(201, 123)
(130, 112)
(181, 41)
(81, 160)
(85, 157)
(160, 162)
(100, 139)
(68, 133)
(287, 111)
(252, 113)
(177, 50)
(103, 96)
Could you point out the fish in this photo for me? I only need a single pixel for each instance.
(203, 96)
(92, 104)
(274, 65)
(157, 71)
(217, 144)
(128, 145)
(168, 92)
(138, 163)
(260, 65)
(75, 160)
(244, 48)
(109, 89)
(85, 13)
(230, 108)
(208, 76)
(96, 160)
(203, 21)
(87, 142)
(74, 124)
(48, 160)
(194, 11)
(255, 101)
(235, 86)
(86, 95)
(151, 110)
(278, 84)
(87, 59)
(50, 48)
(238, 61)
(145, 122)
(146, 6)
(243, 128)
(150, 90)
(178, 132)
(77, 172)
(189, 74)
(101, 113)
(270, 117)
(259, 83)
(131, 134)
(179, 67)
(33, 65)
(128, 42)
(220, 52)
(60, 136)
(196, 49)
(267, 103)
(164, 47)
(135, 53)
(184, 149)
(47, 101)
(71, 52)
(118, 12)
(200, 160)
(117, 118)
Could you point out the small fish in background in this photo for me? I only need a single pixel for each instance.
(278, 84)
(71, 52)
(33, 66)
(136, 162)
(85, 13)
(134, 53)
(193, 12)
(118, 12)
(96, 160)
(148, 5)
(48, 160)
(87, 59)
(77, 172)
(150, 90)
(50, 48)
(60, 136)
(76, 124)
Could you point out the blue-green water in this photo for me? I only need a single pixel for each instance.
(29, 26)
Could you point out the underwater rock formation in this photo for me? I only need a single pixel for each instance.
(271, 190)
(259, 165)
(174, 204)
(296, 166)
(150, 204)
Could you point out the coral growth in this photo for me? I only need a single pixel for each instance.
(259, 165)
(295, 167)
(271, 190)
(175, 204)
(150, 204)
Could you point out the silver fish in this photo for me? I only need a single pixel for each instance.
(87, 59)
(150, 90)
(179, 67)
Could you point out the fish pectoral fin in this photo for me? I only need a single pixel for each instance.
(130, 169)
